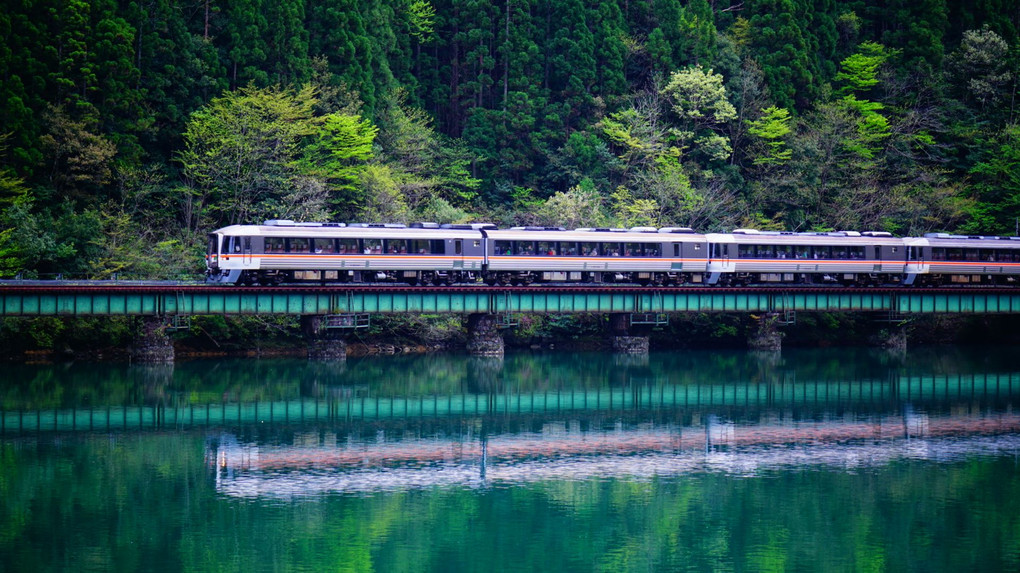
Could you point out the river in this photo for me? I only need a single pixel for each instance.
(804, 460)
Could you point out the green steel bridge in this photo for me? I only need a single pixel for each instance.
(114, 298)
(886, 394)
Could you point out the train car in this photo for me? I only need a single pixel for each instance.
(748, 256)
(955, 259)
(642, 255)
(284, 251)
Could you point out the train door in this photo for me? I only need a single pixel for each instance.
(247, 251)
(458, 253)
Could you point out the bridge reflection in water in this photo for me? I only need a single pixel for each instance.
(293, 428)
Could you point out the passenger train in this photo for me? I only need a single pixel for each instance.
(283, 251)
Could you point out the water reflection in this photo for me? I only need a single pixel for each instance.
(820, 460)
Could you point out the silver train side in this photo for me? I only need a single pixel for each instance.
(285, 252)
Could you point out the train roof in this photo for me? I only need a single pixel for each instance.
(595, 235)
(849, 238)
(971, 241)
(351, 231)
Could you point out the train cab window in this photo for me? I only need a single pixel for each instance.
(612, 249)
(503, 248)
(395, 246)
(590, 249)
(213, 245)
(372, 247)
(323, 246)
(546, 248)
(232, 244)
(568, 249)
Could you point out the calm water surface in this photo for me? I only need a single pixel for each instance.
(845, 460)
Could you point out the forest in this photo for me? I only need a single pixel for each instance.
(131, 128)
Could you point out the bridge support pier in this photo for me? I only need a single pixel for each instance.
(324, 344)
(151, 344)
(622, 340)
(765, 334)
(893, 337)
(483, 337)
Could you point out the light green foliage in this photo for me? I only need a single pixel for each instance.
(859, 72)
(339, 149)
(698, 95)
(579, 206)
(698, 98)
(241, 152)
(422, 16)
(772, 129)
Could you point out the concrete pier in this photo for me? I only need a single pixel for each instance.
(151, 345)
(622, 339)
(484, 338)
(324, 344)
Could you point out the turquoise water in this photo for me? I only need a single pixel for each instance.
(834, 460)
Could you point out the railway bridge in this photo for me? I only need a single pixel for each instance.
(329, 310)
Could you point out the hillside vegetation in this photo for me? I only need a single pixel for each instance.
(129, 129)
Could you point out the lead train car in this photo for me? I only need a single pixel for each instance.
(284, 251)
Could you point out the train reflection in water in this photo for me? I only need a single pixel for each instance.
(327, 463)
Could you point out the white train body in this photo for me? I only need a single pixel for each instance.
(284, 251)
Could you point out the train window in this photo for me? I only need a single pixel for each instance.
(372, 247)
(323, 246)
(213, 244)
(954, 254)
(652, 250)
(503, 248)
(568, 249)
(971, 255)
(856, 253)
(986, 255)
(784, 252)
(745, 251)
(546, 248)
(938, 254)
(802, 252)
(524, 247)
(437, 246)
(676, 249)
(764, 252)
(612, 249)
(395, 246)
(633, 250)
(458, 246)
(297, 246)
(590, 249)
(274, 245)
(347, 246)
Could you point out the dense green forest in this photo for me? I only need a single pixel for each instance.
(129, 128)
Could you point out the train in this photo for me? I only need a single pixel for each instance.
(427, 254)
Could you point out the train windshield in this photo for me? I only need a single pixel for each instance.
(213, 244)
